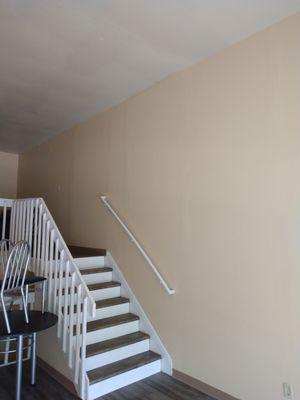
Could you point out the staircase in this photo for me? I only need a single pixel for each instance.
(117, 351)
(104, 333)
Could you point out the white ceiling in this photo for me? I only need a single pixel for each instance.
(62, 61)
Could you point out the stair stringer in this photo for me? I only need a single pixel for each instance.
(156, 344)
(77, 385)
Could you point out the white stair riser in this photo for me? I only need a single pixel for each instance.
(100, 294)
(97, 277)
(109, 357)
(89, 262)
(112, 332)
(83, 262)
(108, 293)
(119, 381)
(106, 312)
(110, 311)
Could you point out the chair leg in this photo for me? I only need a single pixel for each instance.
(43, 296)
(24, 306)
(33, 359)
(26, 295)
(5, 315)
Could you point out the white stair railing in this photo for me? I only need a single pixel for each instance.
(67, 294)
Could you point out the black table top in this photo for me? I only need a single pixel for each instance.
(29, 280)
(37, 322)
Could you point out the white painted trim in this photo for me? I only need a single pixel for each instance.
(138, 245)
(156, 344)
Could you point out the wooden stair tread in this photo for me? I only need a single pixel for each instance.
(83, 252)
(111, 321)
(87, 271)
(95, 270)
(115, 343)
(114, 301)
(103, 285)
(97, 286)
(119, 367)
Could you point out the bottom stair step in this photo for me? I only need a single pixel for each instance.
(111, 377)
(108, 371)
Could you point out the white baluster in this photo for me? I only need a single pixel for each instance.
(27, 221)
(4, 222)
(18, 227)
(39, 243)
(35, 232)
(83, 348)
(71, 324)
(23, 220)
(65, 313)
(56, 278)
(61, 271)
(42, 266)
(51, 277)
(30, 235)
(78, 334)
(12, 221)
(47, 243)
(19, 221)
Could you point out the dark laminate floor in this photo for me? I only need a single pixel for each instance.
(157, 387)
(46, 389)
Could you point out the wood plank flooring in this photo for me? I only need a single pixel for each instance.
(46, 388)
(157, 387)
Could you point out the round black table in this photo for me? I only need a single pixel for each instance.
(19, 329)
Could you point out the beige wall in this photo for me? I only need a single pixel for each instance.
(204, 167)
(8, 175)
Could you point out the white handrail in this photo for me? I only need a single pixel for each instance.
(138, 245)
(6, 202)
